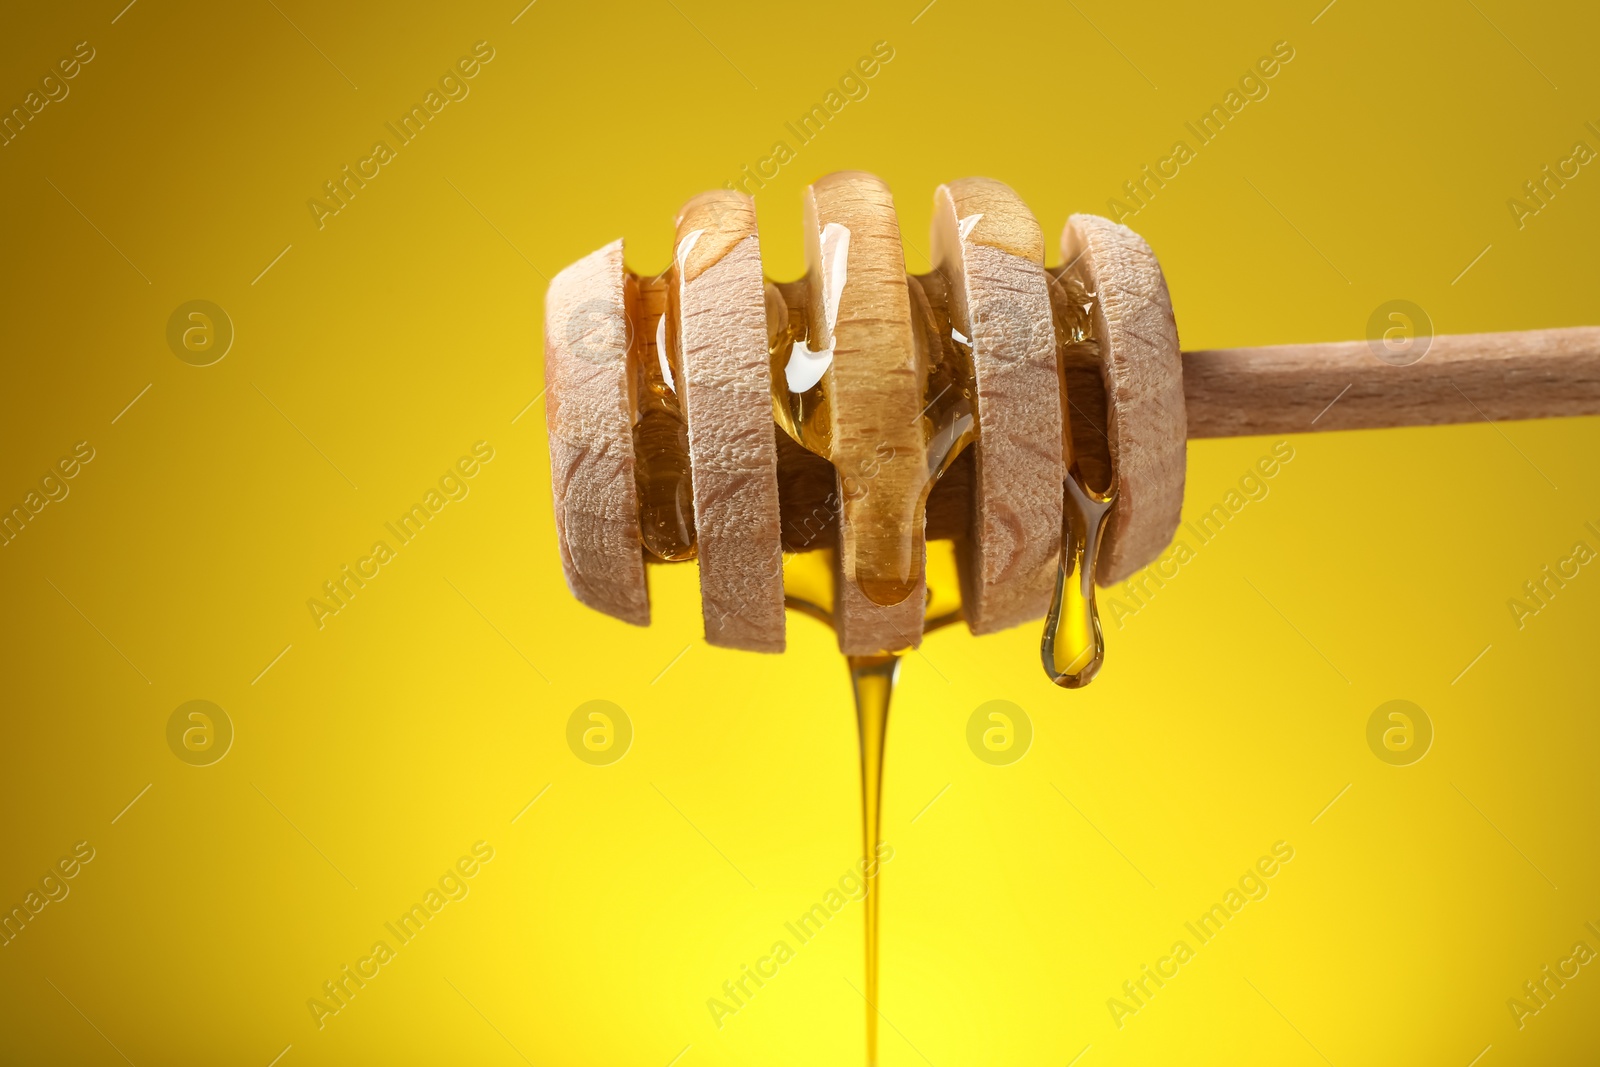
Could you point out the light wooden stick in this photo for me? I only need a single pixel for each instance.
(1536, 374)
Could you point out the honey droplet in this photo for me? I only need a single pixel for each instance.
(1074, 647)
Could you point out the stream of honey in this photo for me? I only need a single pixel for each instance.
(808, 588)
(801, 314)
(872, 682)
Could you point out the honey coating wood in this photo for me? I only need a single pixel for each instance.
(878, 449)
(806, 485)
(1140, 363)
(589, 415)
(728, 399)
(992, 249)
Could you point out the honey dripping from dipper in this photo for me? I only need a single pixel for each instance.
(886, 515)
(1073, 647)
(860, 563)
(884, 536)
(808, 579)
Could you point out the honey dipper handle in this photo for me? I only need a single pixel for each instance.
(1535, 374)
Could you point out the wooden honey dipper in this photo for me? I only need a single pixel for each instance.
(977, 402)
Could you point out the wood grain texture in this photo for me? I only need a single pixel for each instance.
(1141, 365)
(987, 242)
(876, 393)
(589, 414)
(727, 396)
(1237, 392)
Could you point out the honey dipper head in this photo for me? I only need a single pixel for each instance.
(707, 412)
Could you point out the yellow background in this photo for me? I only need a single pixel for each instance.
(378, 749)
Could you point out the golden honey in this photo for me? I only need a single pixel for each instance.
(872, 681)
(660, 431)
(1073, 646)
(801, 317)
